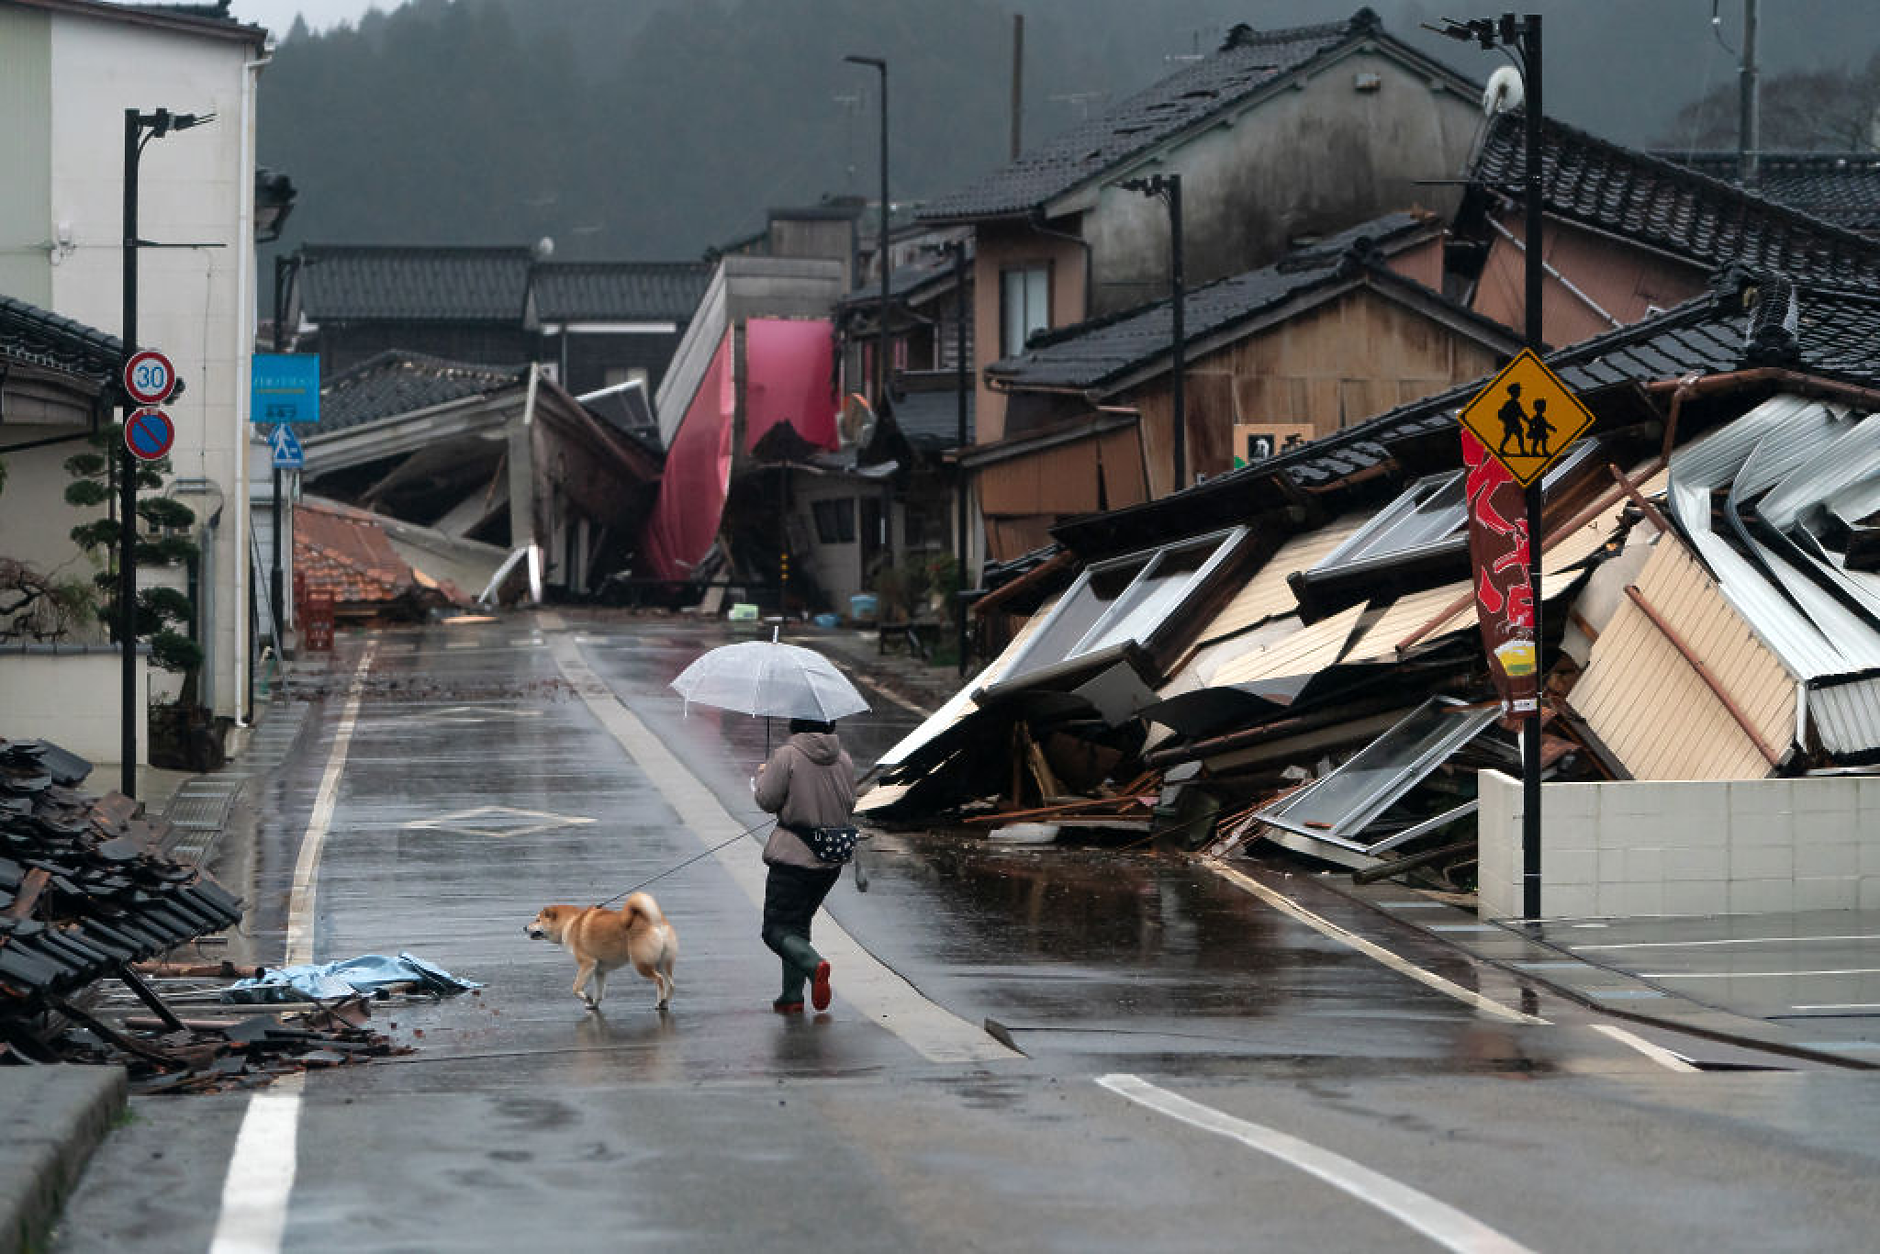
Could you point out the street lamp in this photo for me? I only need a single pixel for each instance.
(139, 129)
(1169, 188)
(1521, 38)
(881, 258)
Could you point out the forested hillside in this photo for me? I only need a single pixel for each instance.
(659, 128)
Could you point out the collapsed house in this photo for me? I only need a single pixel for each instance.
(1289, 652)
(502, 461)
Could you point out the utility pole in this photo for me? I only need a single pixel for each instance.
(1169, 188)
(1749, 119)
(881, 348)
(958, 248)
(1018, 81)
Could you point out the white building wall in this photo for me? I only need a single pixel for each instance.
(195, 303)
(1632, 848)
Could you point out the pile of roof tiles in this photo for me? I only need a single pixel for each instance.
(84, 890)
(87, 894)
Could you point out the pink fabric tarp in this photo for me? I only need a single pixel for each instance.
(791, 368)
(697, 476)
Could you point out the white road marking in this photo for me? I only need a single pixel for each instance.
(860, 978)
(261, 1173)
(905, 704)
(1438, 1221)
(1448, 988)
(1842, 1005)
(1749, 975)
(1732, 940)
(261, 1170)
(1658, 1054)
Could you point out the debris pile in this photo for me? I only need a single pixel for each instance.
(87, 898)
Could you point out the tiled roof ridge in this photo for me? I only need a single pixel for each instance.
(1245, 35)
(1837, 158)
(1509, 128)
(617, 265)
(442, 250)
(59, 340)
(365, 574)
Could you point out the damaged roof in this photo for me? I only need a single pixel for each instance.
(1745, 320)
(1248, 63)
(1838, 187)
(1669, 206)
(345, 553)
(1104, 352)
(400, 382)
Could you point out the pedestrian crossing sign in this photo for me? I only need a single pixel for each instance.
(1526, 417)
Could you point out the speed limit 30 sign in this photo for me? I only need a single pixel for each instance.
(149, 378)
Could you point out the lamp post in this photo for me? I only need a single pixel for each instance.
(158, 124)
(958, 249)
(1521, 38)
(881, 255)
(1169, 188)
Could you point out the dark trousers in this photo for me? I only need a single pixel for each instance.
(792, 895)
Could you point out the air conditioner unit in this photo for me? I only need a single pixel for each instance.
(1257, 441)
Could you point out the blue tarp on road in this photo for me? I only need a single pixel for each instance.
(328, 981)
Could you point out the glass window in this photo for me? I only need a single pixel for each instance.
(1430, 510)
(835, 520)
(1125, 599)
(1024, 307)
(1338, 806)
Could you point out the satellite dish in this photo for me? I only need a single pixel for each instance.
(1505, 91)
(545, 248)
(857, 422)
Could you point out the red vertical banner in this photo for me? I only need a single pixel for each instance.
(1498, 560)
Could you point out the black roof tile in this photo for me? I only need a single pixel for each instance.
(397, 382)
(568, 291)
(1104, 350)
(1838, 187)
(1671, 207)
(1248, 61)
(31, 334)
(344, 283)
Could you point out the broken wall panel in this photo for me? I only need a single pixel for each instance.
(1636, 676)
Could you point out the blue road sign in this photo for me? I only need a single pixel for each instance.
(287, 452)
(149, 433)
(284, 387)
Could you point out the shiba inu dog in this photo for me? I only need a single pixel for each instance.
(602, 940)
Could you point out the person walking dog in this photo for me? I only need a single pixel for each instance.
(809, 784)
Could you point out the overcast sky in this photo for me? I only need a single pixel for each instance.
(278, 15)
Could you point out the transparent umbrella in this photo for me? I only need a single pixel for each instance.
(771, 679)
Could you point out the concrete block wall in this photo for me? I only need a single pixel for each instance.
(71, 696)
(1624, 849)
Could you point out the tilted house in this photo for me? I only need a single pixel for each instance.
(1329, 335)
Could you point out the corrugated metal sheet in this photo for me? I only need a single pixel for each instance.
(1844, 716)
(1305, 652)
(1267, 594)
(960, 704)
(1649, 706)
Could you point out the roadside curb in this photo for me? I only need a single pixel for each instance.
(1587, 984)
(56, 1117)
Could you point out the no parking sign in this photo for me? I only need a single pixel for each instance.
(149, 433)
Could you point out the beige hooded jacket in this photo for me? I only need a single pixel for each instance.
(808, 782)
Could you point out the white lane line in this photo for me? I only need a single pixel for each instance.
(1438, 1221)
(905, 704)
(300, 918)
(260, 1173)
(1732, 940)
(1448, 988)
(1749, 975)
(860, 978)
(1841, 1005)
(261, 1169)
(1658, 1054)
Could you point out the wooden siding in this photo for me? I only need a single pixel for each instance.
(1651, 708)
(1624, 280)
(1266, 594)
(1305, 652)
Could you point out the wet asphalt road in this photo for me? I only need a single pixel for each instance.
(483, 775)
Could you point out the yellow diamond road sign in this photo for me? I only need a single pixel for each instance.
(1526, 417)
